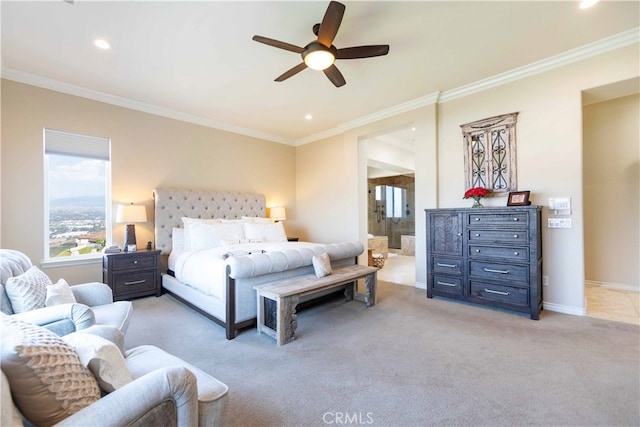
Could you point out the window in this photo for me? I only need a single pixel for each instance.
(394, 198)
(490, 153)
(77, 194)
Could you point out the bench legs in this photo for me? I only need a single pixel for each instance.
(287, 319)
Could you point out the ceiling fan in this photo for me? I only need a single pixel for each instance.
(320, 54)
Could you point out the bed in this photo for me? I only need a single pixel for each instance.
(216, 246)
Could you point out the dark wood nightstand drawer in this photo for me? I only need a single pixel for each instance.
(447, 284)
(520, 237)
(510, 219)
(447, 265)
(134, 262)
(133, 274)
(142, 281)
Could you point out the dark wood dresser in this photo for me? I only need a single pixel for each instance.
(490, 256)
(132, 274)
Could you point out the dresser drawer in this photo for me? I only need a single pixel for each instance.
(503, 236)
(505, 294)
(447, 265)
(143, 281)
(516, 254)
(511, 219)
(495, 271)
(447, 284)
(131, 262)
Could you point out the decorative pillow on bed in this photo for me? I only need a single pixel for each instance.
(265, 232)
(186, 222)
(206, 236)
(322, 265)
(257, 219)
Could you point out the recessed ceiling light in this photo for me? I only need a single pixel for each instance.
(585, 4)
(102, 44)
(308, 116)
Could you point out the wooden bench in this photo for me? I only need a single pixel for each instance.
(287, 293)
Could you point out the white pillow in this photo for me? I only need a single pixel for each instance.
(59, 293)
(188, 221)
(258, 219)
(206, 236)
(177, 239)
(265, 232)
(321, 265)
(103, 358)
(28, 291)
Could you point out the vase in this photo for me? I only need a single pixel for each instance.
(477, 203)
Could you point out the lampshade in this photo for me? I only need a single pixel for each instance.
(131, 213)
(318, 56)
(277, 213)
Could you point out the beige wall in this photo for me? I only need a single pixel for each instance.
(323, 184)
(549, 162)
(147, 151)
(612, 191)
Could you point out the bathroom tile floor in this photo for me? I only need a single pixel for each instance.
(612, 304)
(601, 302)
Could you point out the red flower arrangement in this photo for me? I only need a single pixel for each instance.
(476, 193)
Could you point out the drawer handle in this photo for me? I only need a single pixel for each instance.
(491, 270)
(477, 234)
(439, 264)
(477, 219)
(515, 236)
(459, 234)
(446, 284)
(134, 262)
(515, 219)
(478, 250)
(516, 253)
(135, 282)
(491, 291)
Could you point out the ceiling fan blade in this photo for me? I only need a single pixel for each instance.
(335, 76)
(278, 44)
(330, 23)
(362, 51)
(292, 72)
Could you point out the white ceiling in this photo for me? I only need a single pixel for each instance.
(196, 61)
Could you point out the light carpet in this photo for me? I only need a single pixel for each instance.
(411, 361)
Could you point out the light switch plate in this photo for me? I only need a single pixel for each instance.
(559, 223)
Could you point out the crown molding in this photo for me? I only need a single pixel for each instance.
(607, 44)
(55, 85)
(371, 118)
(617, 41)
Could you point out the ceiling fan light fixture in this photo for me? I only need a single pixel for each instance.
(318, 57)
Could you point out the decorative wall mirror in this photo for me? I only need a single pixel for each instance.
(490, 153)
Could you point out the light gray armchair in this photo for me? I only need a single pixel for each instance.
(165, 391)
(94, 306)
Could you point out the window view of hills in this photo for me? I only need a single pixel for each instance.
(76, 226)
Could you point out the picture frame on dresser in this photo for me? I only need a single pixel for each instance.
(518, 198)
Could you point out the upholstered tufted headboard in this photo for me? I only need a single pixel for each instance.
(171, 204)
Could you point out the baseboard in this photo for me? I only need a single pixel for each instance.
(421, 285)
(619, 286)
(565, 309)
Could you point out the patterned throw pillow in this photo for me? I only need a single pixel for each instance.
(48, 381)
(28, 291)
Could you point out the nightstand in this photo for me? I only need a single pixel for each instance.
(132, 274)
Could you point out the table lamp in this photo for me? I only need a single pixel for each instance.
(130, 214)
(277, 213)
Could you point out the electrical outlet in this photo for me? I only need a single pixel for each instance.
(545, 280)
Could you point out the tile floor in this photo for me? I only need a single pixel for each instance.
(601, 302)
(612, 304)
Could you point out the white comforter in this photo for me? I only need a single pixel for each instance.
(206, 270)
